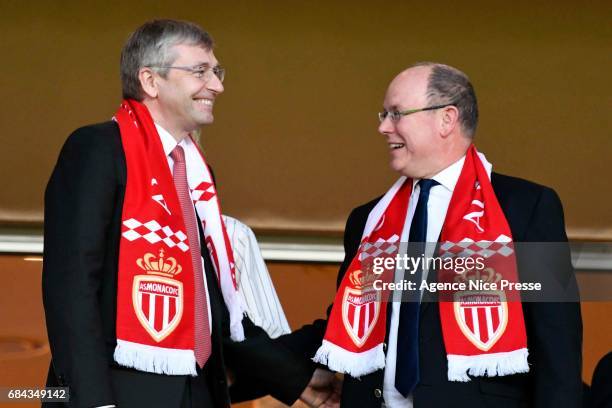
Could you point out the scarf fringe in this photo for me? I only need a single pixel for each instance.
(489, 365)
(344, 361)
(236, 307)
(236, 328)
(153, 359)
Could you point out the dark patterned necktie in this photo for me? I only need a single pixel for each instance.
(407, 357)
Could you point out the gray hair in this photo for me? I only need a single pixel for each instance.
(151, 45)
(449, 85)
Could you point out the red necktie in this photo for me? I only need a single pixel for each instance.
(202, 348)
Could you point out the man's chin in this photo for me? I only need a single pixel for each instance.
(405, 171)
(397, 167)
(205, 121)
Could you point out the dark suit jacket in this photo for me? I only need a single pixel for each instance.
(601, 391)
(554, 330)
(83, 206)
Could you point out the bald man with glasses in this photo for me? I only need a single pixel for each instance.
(422, 353)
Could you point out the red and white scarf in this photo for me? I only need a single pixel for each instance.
(484, 333)
(155, 285)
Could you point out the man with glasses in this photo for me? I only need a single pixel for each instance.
(419, 353)
(139, 279)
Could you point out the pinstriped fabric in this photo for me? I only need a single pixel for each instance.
(254, 283)
(202, 347)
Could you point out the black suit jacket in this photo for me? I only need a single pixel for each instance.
(83, 206)
(554, 330)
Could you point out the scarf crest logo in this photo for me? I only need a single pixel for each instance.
(158, 297)
(361, 302)
(482, 315)
(360, 306)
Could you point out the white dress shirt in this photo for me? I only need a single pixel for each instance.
(437, 206)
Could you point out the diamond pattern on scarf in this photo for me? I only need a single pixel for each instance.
(153, 232)
(203, 192)
(380, 247)
(468, 247)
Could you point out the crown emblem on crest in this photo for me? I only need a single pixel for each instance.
(153, 265)
(487, 275)
(361, 279)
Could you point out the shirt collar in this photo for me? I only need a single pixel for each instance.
(168, 141)
(448, 177)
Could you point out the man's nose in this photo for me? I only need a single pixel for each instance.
(215, 85)
(386, 126)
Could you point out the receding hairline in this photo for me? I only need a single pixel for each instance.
(428, 66)
(431, 65)
(398, 83)
(413, 69)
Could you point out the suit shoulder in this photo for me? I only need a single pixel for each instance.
(356, 221)
(362, 211)
(508, 185)
(94, 136)
(528, 206)
(94, 146)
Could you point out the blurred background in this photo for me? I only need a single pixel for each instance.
(294, 144)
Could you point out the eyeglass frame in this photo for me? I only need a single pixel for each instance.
(397, 115)
(217, 70)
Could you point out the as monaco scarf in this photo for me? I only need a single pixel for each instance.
(155, 286)
(484, 331)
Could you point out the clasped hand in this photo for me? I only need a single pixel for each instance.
(323, 390)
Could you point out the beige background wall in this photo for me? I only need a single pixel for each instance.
(294, 144)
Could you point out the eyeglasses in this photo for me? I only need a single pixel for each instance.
(395, 115)
(203, 72)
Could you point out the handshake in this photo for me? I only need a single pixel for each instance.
(323, 390)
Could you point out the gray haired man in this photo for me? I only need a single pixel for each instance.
(169, 341)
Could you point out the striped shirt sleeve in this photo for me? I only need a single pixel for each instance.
(254, 283)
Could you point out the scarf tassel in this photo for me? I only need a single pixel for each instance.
(487, 365)
(344, 361)
(155, 359)
(236, 328)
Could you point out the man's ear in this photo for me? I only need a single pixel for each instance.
(449, 120)
(148, 82)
